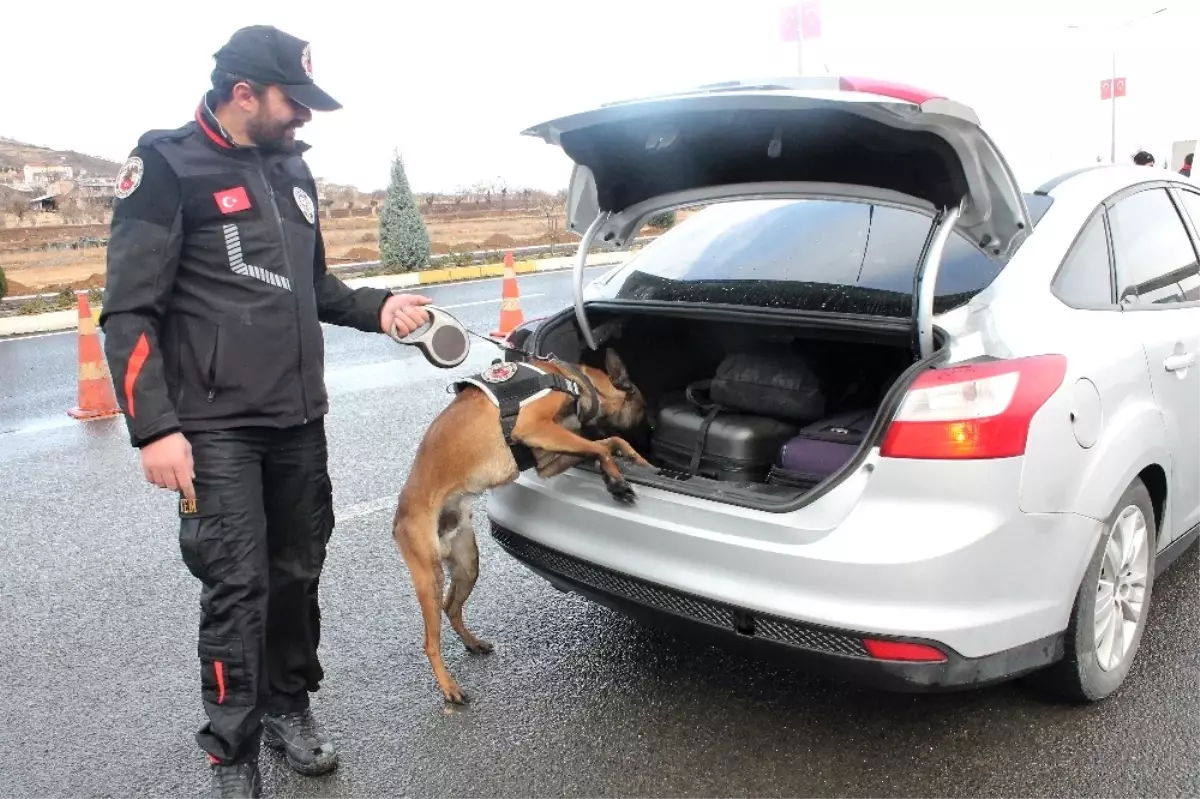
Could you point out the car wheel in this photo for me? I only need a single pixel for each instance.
(1109, 615)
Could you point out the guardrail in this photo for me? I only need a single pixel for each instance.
(9, 305)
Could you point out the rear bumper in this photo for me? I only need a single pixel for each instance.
(825, 650)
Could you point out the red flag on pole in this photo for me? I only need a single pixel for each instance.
(789, 23)
(1106, 90)
(1119, 88)
(810, 19)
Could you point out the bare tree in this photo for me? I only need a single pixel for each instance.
(551, 213)
(19, 207)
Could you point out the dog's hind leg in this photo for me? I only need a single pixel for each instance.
(462, 556)
(416, 532)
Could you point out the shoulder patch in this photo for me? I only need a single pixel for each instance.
(130, 177)
(500, 372)
(306, 204)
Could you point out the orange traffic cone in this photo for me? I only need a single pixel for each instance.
(511, 314)
(96, 398)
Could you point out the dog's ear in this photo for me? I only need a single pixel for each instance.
(617, 372)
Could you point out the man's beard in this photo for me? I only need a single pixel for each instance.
(270, 134)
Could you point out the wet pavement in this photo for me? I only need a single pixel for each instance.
(98, 619)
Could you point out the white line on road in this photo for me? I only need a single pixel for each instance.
(486, 302)
(364, 508)
(36, 335)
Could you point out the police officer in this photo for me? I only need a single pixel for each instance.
(216, 290)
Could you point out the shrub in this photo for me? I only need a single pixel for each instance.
(663, 221)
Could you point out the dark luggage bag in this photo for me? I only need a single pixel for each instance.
(731, 427)
(820, 449)
(720, 445)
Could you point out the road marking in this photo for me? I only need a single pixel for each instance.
(486, 302)
(36, 335)
(364, 508)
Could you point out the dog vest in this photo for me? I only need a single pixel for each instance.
(511, 385)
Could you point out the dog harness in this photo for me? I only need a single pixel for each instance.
(511, 385)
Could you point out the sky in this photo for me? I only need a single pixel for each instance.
(451, 85)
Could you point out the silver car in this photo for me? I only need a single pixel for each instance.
(1034, 456)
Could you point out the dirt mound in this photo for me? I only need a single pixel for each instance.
(363, 254)
(439, 248)
(16, 289)
(94, 281)
(499, 240)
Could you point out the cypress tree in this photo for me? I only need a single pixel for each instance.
(403, 239)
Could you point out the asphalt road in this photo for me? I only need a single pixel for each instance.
(99, 676)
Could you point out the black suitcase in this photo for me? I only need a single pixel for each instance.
(722, 445)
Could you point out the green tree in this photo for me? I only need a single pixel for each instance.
(403, 239)
(3, 285)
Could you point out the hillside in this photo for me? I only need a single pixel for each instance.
(15, 155)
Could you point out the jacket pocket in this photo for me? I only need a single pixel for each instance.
(198, 365)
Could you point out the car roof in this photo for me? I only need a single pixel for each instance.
(1096, 183)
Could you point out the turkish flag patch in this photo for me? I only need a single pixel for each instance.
(231, 201)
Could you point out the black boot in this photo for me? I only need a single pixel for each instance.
(306, 744)
(240, 781)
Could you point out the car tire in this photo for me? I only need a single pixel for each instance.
(1081, 676)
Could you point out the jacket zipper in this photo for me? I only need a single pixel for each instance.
(287, 263)
(212, 365)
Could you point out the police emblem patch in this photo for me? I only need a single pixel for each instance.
(306, 204)
(499, 372)
(130, 177)
(306, 60)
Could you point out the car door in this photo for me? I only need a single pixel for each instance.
(1157, 279)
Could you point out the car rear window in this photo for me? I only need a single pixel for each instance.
(835, 256)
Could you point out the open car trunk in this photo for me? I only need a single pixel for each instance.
(770, 428)
(776, 450)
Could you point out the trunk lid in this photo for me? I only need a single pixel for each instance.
(820, 137)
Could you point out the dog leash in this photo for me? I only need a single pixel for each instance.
(444, 340)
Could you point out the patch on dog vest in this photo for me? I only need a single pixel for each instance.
(509, 385)
(500, 372)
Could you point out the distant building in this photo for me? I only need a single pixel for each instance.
(45, 174)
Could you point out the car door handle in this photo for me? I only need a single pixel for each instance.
(1174, 363)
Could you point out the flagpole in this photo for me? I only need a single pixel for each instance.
(1112, 146)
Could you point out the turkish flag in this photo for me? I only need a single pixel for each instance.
(1106, 90)
(810, 19)
(789, 23)
(231, 201)
(1119, 88)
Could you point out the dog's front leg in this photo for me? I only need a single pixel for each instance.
(553, 438)
(618, 444)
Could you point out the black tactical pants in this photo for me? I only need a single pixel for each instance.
(256, 540)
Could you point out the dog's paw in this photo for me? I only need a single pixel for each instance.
(622, 492)
(455, 695)
(479, 647)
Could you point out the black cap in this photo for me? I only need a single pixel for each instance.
(265, 54)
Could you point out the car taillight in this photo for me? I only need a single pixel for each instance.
(902, 650)
(974, 411)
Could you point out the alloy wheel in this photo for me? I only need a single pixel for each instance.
(1121, 590)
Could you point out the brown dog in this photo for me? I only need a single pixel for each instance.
(464, 453)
